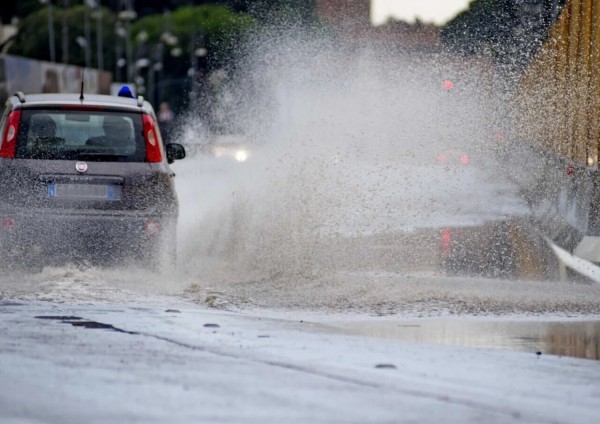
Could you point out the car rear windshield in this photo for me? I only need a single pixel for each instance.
(89, 135)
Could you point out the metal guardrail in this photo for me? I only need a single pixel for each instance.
(560, 193)
(564, 198)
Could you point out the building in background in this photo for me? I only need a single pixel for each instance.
(37, 76)
(351, 19)
(348, 17)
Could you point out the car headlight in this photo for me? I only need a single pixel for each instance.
(241, 155)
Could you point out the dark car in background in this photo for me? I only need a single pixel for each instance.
(85, 177)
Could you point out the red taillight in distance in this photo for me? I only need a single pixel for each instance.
(446, 243)
(463, 158)
(9, 138)
(153, 148)
(447, 85)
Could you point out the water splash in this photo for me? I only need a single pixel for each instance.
(346, 144)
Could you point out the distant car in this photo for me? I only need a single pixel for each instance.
(453, 157)
(233, 147)
(85, 178)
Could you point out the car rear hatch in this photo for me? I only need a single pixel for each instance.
(78, 160)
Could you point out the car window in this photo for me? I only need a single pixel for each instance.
(81, 135)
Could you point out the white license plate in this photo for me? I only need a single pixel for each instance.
(84, 191)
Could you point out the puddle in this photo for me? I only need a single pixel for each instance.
(578, 339)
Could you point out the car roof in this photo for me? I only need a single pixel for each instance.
(72, 99)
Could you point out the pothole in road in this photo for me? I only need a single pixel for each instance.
(80, 322)
(59, 317)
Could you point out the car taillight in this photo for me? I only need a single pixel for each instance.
(153, 151)
(464, 159)
(9, 138)
(442, 158)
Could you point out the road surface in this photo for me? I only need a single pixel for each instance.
(177, 362)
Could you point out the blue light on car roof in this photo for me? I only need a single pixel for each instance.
(125, 91)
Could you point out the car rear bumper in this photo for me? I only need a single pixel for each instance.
(89, 235)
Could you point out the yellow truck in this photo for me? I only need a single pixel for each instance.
(557, 117)
(559, 94)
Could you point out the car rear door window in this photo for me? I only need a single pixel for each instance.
(90, 135)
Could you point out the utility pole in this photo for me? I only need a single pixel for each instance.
(99, 40)
(65, 33)
(127, 16)
(51, 40)
(87, 34)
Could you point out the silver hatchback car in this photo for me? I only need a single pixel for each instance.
(85, 178)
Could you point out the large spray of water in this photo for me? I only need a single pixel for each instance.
(356, 159)
(355, 188)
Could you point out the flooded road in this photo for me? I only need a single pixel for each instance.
(579, 339)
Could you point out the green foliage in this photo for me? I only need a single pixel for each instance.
(18, 8)
(485, 22)
(291, 13)
(25, 7)
(32, 40)
(213, 27)
(510, 32)
(186, 29)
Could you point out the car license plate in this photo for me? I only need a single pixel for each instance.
(84, 191)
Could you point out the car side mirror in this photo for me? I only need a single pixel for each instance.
(175, 152)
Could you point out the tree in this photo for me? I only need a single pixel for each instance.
(211, 27)
(505, 30)
(186, 45)
(18, 9)
(32, 38)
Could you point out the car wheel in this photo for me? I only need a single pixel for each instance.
(163, 250)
